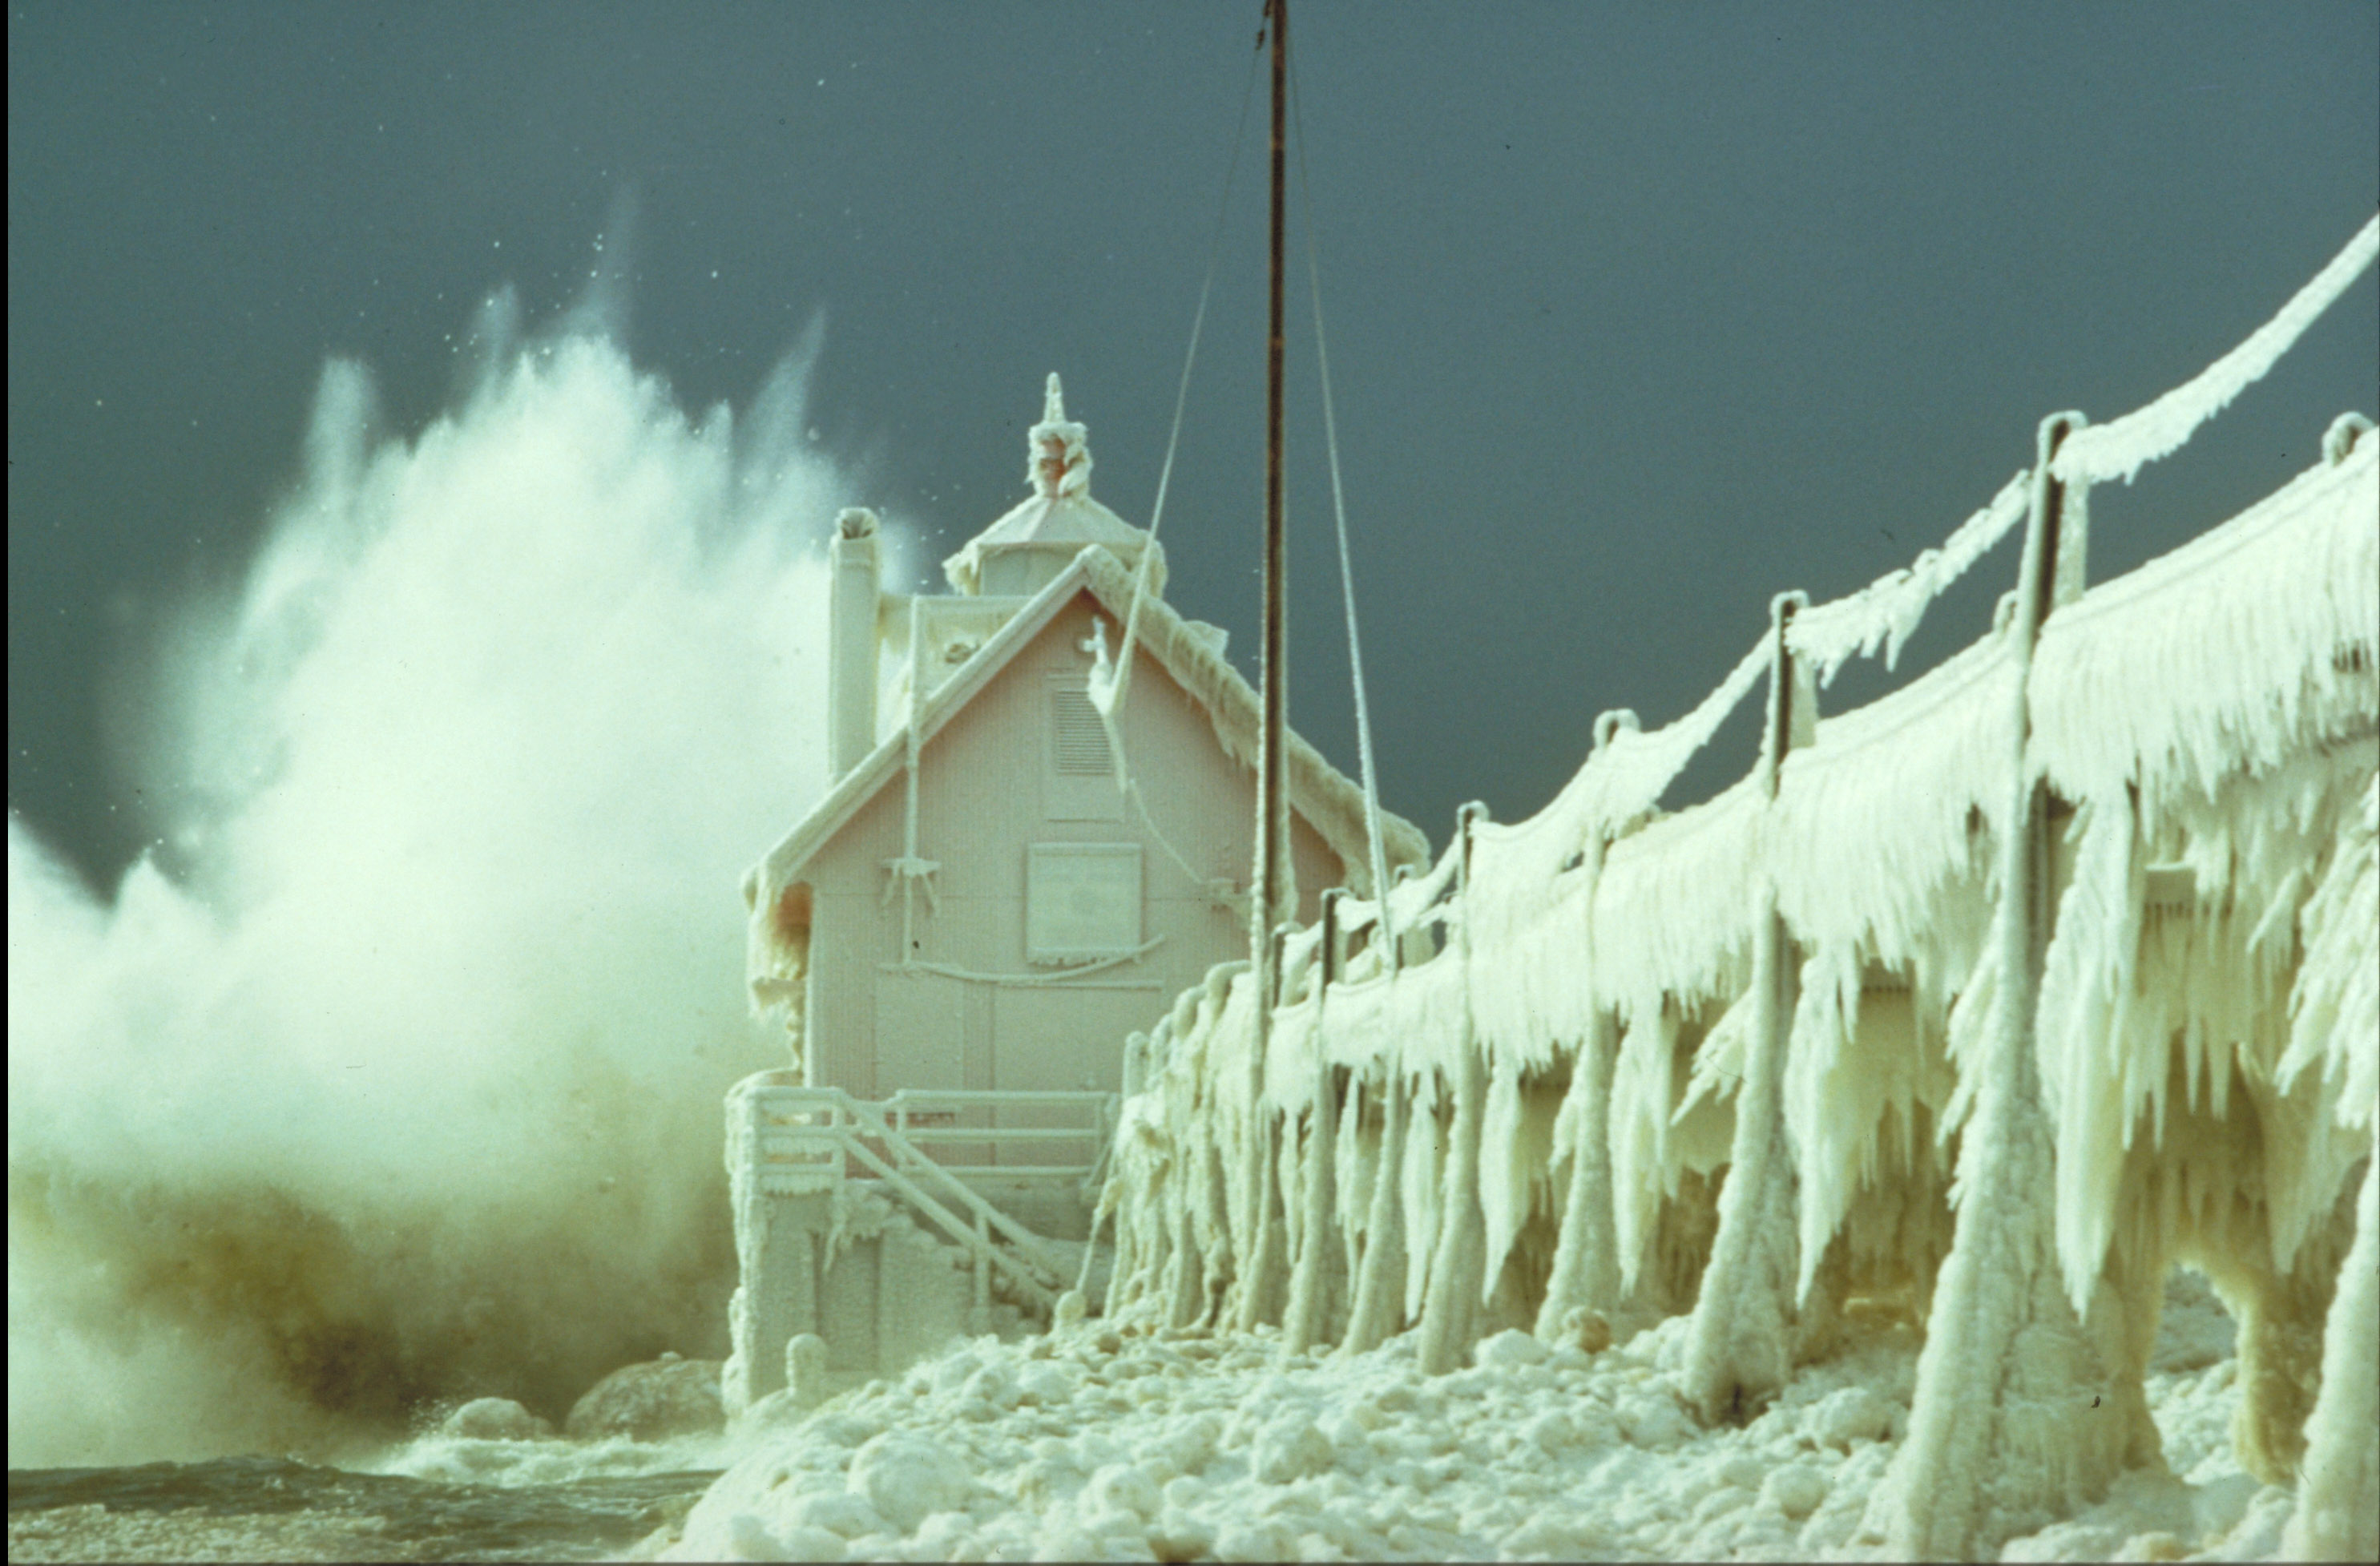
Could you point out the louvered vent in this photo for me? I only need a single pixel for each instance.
(1082, 747)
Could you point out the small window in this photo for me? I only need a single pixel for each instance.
(1079, 746)
(1078, 776)
(1081, 900)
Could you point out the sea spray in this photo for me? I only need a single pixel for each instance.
(392, 1078)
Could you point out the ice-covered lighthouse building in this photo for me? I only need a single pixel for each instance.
(964, 932)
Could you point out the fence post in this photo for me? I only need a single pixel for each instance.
(1374, 1316)
(1302, 1322)
(1452, 1304)
(1740, 1348)
(1262, 1280)
(1585, 1273)
(1993, 1435)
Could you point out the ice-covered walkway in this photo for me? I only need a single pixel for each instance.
(1802, 1172)
(1987, 1003)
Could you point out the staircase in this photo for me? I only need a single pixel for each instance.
(804, 1163)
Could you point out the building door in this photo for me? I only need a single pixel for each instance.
(921, 1046)
(1064, 1039)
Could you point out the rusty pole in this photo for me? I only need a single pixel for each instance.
(1271, 812)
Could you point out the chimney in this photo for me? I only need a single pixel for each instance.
(855, 569)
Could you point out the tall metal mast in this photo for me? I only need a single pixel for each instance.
(1272, 805)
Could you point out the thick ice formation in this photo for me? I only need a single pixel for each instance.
(1869, 1107)
(2075, 918)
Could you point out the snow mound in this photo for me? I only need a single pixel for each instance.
(1190, 1445)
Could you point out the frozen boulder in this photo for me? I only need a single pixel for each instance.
(1292, 1449)
(1188, 1445)
(839, 1512)
(495, 1419)
(1045, 1386)
(1794, 1489)
(907, 1478)
(1852, 1415)
(806, 1369)
(1179, 1535)
(1512, 1350)
(1120, 1487)
(1585, 1329)
(665, 1397)
(993, 1386)
(1742, 1470)
(1655, 1422)
(754, 1540)
(1253, 1538)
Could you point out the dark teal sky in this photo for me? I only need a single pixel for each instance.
(1639, 314)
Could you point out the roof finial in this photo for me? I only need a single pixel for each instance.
(1058, 450)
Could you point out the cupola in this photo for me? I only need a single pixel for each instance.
(1027, 549)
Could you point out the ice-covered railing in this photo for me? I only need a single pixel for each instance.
(1886, 613)
(1737, 1061)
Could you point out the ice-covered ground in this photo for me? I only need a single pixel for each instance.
(1089, 1444)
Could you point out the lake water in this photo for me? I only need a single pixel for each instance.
(278, 1509)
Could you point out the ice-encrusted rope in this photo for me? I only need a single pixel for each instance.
(1108, 694)
(2119, 449)
(1346, 567)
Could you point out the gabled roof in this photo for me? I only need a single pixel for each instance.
(1331, 803)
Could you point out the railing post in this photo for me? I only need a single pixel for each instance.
(1740, 1346)
(1452, 1304)
(1984, 1411)
(1374, 1316)
(1302, 1324)
(982, 1322)
(1263, 1270)
(1585, 1274)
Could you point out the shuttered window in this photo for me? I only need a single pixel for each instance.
(1080, 745)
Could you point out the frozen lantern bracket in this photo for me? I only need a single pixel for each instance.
(908, 869)
(1062, 450)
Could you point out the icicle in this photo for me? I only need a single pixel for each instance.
(1448, 1310)
(2334, 1008)
(1834, 1093)
(1369, 1321)
(1357, 1166)
(1301, 1326)
(2338, 1516)
(1504, 1168)
(2089, 1048)
(1424, 1174)
(1642, 1099)
(1586, 1260)
(1740, 1346)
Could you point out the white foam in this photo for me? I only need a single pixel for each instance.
(420, 1045)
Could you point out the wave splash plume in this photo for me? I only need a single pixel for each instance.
(392, 1076)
